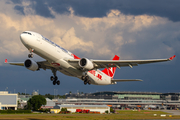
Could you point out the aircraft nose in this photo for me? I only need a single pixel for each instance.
(23, 38)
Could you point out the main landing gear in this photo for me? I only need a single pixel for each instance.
(30, 55)
(86, 79)
(54, 78)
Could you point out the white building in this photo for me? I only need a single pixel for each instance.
(8, 101)
(94, 108)
(49, 104)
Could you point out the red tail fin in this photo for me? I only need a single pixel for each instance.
(110, 71)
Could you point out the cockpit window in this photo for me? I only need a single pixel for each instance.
(27, 33)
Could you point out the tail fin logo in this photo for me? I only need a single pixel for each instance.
(111, 71)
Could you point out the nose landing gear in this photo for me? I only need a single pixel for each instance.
(30, 55)
(55, 78)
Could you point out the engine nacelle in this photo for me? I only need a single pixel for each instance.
(31, 65)
(86, 64)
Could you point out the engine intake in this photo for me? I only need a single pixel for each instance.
(31, 65)
(86, 64)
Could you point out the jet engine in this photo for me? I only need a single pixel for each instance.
(86, 64)
(31, 65)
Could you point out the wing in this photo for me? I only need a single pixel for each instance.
(119, 63)
(14, 63)
(125, 80)
(42, 64)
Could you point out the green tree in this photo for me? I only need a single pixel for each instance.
(63, 109)
(111, 110)
(36, 102)
(49, 96)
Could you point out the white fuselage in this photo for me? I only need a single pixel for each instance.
(56, 56)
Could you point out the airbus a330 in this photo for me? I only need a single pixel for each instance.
(59, 59)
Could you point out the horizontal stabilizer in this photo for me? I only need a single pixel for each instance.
(125, 80)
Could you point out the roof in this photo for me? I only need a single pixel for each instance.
(125, 92)
(83, 106)
(56, 107)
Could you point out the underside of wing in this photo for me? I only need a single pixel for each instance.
(125, 80)
(14, 63)
(125, 63)
(17, 63)
(44, 65)
(41, 64)
(118, 63)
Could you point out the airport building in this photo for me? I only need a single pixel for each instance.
(90, 108)
(114, 99)
(8, 101)
(123, 100)
(49, 104)
(119, 95)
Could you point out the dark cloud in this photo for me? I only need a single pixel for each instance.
(162, 8)
(16, 1)
(94, 8)
(20, 9)
(41, 8)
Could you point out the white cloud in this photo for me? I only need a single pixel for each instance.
(70, 41)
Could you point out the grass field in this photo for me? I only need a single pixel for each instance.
(124, 114)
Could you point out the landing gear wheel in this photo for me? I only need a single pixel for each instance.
(86, 78)
(55, 78)
(54, 82)
(58, 82)
(85, 82)
(82, 78)
(51, 78)
(30, 55)
(89, 82)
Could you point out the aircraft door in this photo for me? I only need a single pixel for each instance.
(38, 38)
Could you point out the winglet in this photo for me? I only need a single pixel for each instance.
(171, 58)
(116, 57)
(6, 61)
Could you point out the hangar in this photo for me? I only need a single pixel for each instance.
(8, 101)
(96, 108)
(73, 108)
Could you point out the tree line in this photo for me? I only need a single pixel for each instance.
(47, 95)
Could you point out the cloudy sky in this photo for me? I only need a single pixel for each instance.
(96, 29)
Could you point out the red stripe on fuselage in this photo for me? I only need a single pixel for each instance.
(55, 64)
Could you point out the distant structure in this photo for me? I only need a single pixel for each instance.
(24, 98)
(8, 101)
(126, 99)
(73, 108)
(35, 93)
(49, 104)
(126, 95)
(114, 99)
(122, 95)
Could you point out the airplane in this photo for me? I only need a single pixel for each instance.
(59, 59)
